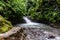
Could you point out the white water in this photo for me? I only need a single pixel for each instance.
(29, 22)
(44, 28)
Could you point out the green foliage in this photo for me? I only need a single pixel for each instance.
(13, 10)
(47, 10)
(33, 6)
(4, 25)
(58, 1)
(19, 6)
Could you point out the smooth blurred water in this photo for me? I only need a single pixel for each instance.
(27, 20)
(30, 24)
(46, 30)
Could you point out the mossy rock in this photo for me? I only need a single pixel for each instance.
(5, 25)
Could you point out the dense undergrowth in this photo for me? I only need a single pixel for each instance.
(12, 10)
(40, 10)
(45, 10)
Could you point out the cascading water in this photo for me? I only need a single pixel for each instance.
(29, 22)
(46, 30)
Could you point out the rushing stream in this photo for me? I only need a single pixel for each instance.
(38, 31)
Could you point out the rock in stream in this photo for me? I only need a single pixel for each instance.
(38, 34)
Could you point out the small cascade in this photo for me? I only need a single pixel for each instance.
(27, 20)
(46, 32)
(29, 24)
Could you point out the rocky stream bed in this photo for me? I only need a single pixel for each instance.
(42, 33)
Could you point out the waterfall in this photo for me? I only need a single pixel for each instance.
(27, 20)
(47, 30)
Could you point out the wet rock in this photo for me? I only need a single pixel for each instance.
(37, 34)
(51, 37)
